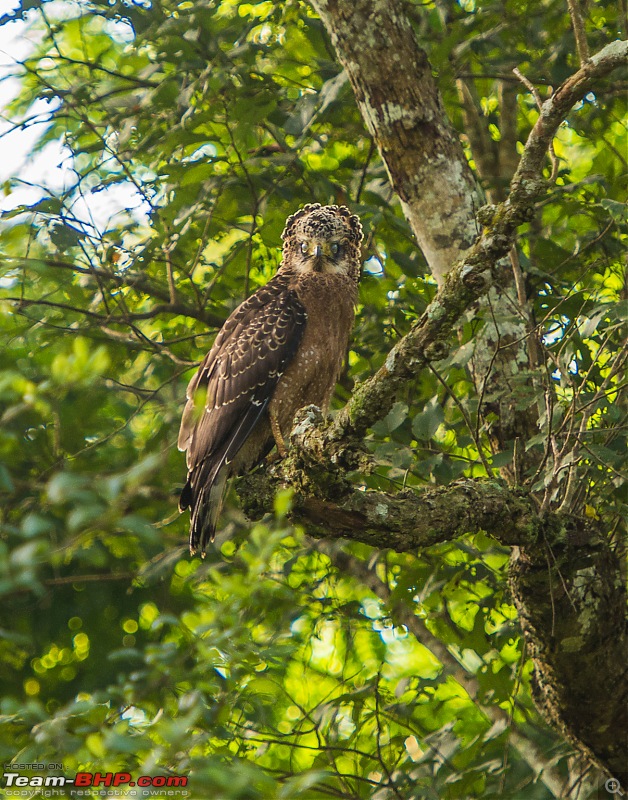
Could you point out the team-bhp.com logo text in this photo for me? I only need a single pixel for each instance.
(91, 780)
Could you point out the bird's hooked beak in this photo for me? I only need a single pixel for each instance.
(318, 257)
(315, 251)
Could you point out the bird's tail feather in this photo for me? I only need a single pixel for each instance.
(211, 475)
(206, 510)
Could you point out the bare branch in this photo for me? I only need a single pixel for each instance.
(156, 311)
(557, 107)
(582, 46)
(131, 280)
(539, 102)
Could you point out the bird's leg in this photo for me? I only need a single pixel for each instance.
(277, 434)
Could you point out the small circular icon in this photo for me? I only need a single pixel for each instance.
(613, 786)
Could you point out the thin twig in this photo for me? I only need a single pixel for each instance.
(582, 46)
(533, 350)
(369, 156)
(472, 429)
(539, 102)
(172, 289)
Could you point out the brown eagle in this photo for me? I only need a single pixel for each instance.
(280, 350)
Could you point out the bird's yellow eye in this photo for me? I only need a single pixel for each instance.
(304, 247)
(335, 247)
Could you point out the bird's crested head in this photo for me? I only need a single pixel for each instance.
(323, 239)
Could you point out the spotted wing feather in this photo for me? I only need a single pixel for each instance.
(229, 395)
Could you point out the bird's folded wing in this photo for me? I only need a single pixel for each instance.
(237, 379)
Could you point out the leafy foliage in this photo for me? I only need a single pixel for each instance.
(277, 667)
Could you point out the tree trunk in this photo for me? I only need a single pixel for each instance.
(571, 599)
(403, 110)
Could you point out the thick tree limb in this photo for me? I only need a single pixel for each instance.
(406, 521)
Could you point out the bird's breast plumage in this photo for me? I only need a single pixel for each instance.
(329, 302)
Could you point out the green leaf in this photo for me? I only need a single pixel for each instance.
(427, 422)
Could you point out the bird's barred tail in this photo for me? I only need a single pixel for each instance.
(204, 491)
(205, 506)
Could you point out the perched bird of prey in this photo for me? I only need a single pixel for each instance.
(280, 350)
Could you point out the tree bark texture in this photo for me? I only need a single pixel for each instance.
(403, 110)
(565, 579)
(571, 600)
